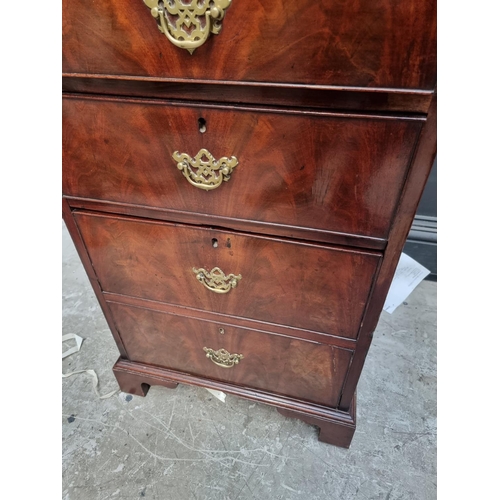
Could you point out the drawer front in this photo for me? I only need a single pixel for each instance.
(307, 286)
(373, 43)
(335, 174)
(282, 365)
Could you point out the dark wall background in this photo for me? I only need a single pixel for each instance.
(422, 240)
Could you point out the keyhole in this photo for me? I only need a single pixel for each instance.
(221, 331)
(215, 243)
(202, 125)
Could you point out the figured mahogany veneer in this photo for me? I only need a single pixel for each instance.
(283, 363)
(374, 43)
(280, 279)
(330, 108)
(317, 172)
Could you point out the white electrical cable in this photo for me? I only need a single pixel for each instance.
(92, 373)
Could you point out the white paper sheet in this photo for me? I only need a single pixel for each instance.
(409, 274)
(218, 394)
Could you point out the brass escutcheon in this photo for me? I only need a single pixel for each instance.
(223, 358)
(188, 24)
(215, 280)
(204, 171)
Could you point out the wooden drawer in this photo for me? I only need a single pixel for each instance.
(291, 367)
(328, 177)
(388, 43)
(313, 287)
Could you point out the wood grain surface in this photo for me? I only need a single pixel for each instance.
(372, 43)
(303, 285)
(414, 187)
(94, 281)
(221, 319)
(143, 374)
(339, 174)
(330, 108)
(330, 431)
(361, 99)
(291, 367)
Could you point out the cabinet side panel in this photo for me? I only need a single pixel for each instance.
(414, 187)
(84, 257)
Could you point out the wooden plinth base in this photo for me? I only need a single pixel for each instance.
(336, 427)
(138, 384)
(331, 432)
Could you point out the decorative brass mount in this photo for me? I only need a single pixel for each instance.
(223, 358)
(204, 171)
(215, 280)
(188, 24)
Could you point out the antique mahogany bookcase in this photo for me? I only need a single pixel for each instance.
(239, 178)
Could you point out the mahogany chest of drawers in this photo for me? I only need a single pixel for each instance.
(239, 179)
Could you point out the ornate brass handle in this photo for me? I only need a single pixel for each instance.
(215, 280)
(222, 357)
(204, 171)
(188, 23)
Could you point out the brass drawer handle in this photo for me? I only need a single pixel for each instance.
(204, 171)
(222, 357)
(188, 24)
(215, 280)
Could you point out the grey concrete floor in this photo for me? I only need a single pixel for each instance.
(184, 444)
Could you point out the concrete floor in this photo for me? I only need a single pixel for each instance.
(184, 444)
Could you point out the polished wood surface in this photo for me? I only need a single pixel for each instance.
(410, 197)
(369, 43)
(137, 377)
(331, 432)
(264, 93)
(307, 170)
(94, 281)
(337, 428)
(294, 368)
(131, 385)
(330, 108)
(221, 319)
(303, 285)
(245, 225)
